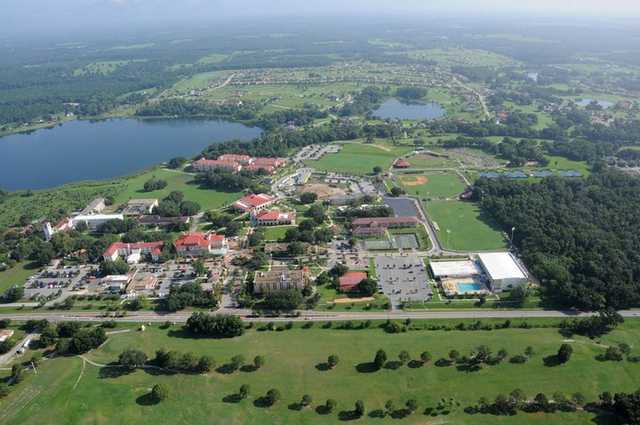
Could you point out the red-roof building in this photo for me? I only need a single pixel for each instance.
(235, 163)
(402, 163)
(251, 203)
(272, 218)
(201, 244)
(215, 164)
(133, 251)
(232, 157)
(350, 281)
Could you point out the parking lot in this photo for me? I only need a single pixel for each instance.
(402, 279)
(57, 280)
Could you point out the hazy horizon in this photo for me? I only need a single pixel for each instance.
(43, 16)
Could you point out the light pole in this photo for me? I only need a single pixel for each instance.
(513, 229)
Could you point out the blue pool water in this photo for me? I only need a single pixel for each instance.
(464, 288)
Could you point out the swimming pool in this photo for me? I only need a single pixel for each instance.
(466, 287)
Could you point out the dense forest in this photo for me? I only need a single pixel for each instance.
(580, 238)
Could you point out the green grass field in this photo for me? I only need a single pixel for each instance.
(176, 180)
(17, 275)
(275, 233)
(359, 158)
(437, 185)
(82, 393)
(467, 228)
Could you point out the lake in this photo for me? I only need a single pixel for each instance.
(93, 150)
(395, 109)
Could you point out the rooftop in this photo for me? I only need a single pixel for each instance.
(501, 265)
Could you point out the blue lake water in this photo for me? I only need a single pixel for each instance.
(92, 150)
(395, 109)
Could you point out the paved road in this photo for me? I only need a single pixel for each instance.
(149, 316)
(7, 357)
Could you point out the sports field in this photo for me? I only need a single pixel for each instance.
(463, 227)
(359, 158)
(68, 391)
(435, 185)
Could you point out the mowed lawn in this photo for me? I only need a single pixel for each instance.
(66, 392)
(440, 185)
(17, 275)
(463, 227)
(176, 180)
(276, 233)
(359, 158)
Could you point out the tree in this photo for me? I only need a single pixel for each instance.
(296, 249)
(272, 396)
(359, 409)
(529, 351)
(390, 407)
(205, 364)
(564, 353)
(159, 392)
(132, 359)
(189, 208)
(339, 270)
(306, 400)
(412, 405)
(237, 361)
(541, 402)
(154, 184)
(377, 169)
(177, 162)
(286, 300)
(368, 287)
(17, 373)
(244, 391)
(13, 294)
(199, 268)
(308, 198)
(330, 405)
(396, 191)
(216, 326)
(425, 357)
(333, 360)
(258, 362)
(454, 355)
(380, 359)
(404, 357)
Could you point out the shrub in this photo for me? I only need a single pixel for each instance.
(159, 392)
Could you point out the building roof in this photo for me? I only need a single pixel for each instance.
(159, 220)
(281, 274)
(98, 217)
(199, 239)
(402, 163)
(234, 157)
(274, 215)
(384, 221)
(249, 202)
(454, 268)
(501, 265)
(350, 280)
(154, 247)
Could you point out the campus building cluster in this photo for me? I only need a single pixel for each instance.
(236, 163)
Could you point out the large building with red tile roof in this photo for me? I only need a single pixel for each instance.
(349, 282)
(201, 244)
(235, 163)
(272, 218)
(204, 165)
(133, 252)
(252, 203)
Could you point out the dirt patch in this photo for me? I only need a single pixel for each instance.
(414, 180)
(427, 157)
(322, 190)
(353, 300)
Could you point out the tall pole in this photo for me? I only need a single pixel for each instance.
(513, 229)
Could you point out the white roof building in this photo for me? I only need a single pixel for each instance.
(503, 270)
(95, 220)
(442, 269)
